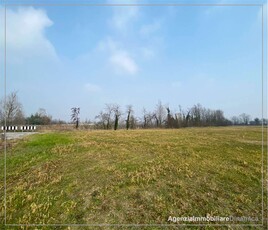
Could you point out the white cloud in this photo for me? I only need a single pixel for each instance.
(123, 63)
(92, 88)
(123, 16)
(119, 58)
(25, 33)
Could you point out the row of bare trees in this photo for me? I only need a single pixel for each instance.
(160, 117)
(195, 116)
(114, 117)
(110, 117)
(163, 117)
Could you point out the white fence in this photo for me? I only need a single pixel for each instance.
(21, 128)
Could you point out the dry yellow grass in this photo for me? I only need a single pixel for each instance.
(135, 176)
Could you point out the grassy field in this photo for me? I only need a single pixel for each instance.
(135, 176)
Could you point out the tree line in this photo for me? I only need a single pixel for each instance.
(11, 110)
(163, 117)
(114, 116)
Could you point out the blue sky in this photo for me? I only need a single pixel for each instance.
(59, 57)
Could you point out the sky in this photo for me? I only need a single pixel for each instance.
(59, 57)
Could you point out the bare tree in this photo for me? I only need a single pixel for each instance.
(188, 118)
(145, 118)
(196, 114)
(11, 110)
(133, 122)
(245, 118)
(75, 116)
(171, 122)
(117, 114)
(103, 119)
(129, 114)
(148, 118)
(108, 113)
(159, 114)
(180, 118)
(45, 118)
(220, 119)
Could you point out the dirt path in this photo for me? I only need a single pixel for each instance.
(17, 135)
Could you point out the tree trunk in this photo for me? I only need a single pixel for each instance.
(116, 123)
(128, 116)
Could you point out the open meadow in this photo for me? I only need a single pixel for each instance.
(134, 176)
